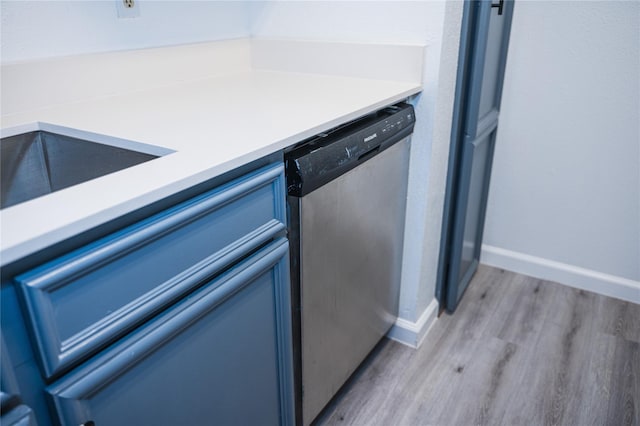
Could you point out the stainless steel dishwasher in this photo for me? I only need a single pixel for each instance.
(347, 195)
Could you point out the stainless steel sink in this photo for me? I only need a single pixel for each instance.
(39, 163)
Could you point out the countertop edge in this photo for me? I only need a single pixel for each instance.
(17, 250)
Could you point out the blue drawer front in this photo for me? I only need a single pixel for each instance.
(220, 356)
(84, 300)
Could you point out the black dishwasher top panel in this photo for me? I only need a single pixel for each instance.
(322, 158)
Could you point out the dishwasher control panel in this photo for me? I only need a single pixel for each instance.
(322, 158)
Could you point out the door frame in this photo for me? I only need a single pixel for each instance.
(466, 78)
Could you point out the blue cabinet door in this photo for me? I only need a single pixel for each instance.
(220, 356)
(80, 302)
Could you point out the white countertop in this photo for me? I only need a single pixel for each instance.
(213, 124)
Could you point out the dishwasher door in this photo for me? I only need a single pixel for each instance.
(351, 237)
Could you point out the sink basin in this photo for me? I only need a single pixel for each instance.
(39, 163)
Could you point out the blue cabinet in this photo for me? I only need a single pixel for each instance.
(12, 411)
(220, 356)
(79, 302)
(180, 318)
(18, 416)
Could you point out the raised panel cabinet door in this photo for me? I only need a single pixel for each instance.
(80, 302)
(221, 356)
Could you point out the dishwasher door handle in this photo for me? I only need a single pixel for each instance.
(369, 154)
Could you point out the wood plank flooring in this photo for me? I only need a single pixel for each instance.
(518, 351)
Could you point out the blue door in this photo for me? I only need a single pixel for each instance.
(483, 52)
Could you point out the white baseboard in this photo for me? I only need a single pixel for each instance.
(574, 276)
(413, 333)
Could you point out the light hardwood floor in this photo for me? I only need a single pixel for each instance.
(518, 351)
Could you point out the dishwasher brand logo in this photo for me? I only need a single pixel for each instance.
(371, 137)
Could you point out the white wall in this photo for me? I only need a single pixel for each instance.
(564, 201)
(419, 22)
(42, 29)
